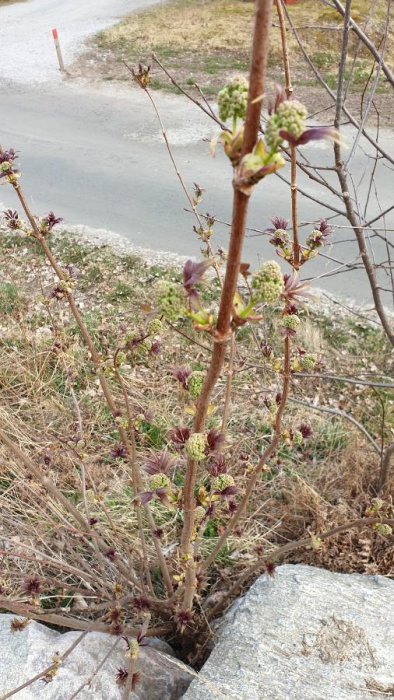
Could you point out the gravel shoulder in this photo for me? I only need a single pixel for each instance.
(33, 57)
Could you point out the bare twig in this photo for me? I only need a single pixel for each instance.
(270, 449)
(346, 380)
(229, 384)
(96, 670)
(208, 111)
(385, 468)
(343, 181)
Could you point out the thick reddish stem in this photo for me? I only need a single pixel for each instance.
(223, 328)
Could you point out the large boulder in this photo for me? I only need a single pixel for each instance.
(305, 634)
(25, 653)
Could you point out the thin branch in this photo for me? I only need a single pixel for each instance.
(115, 411)
(343, 181)
(96, 670)
(385, 468)
(57, 495)
(317, 74)
(346, 380)
(229, 384)
(74, 623)
(174, 164)
(47, 670)
(137, 479)
(208, 111)
(285, 52)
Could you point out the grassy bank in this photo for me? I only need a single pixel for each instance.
(205, 42)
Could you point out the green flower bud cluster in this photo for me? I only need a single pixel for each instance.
(272, 407)
(134, 649)
(5, 166)
(194, 384)
(314, 240)
(383, 529)
(195, 446)
(297, 437)
(120, 359)
(278, 364)
(376, 506)
(289, 116)
(281, 240)
(292, 322)
(232, 100)
(268, 282)
(199, 514)
(139, 347)
(65, 285)
(222, 482)
(308, 362)
(155, 326)
(171, 300)
(281, 237)
(159, 481)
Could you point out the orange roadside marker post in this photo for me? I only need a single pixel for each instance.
(58, 50)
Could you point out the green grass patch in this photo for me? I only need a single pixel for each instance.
(11, 299)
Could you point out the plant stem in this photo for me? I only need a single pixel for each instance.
(293, 150)
(385, 468)
(175, 166)
(285, 52)
(229, 384)
(136, 476)
(42, 674)
(258, 469)
(294, 214)
(223, 328)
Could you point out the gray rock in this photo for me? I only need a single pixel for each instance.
(306, 634)
(28, 652)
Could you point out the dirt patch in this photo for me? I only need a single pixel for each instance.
(96, 66)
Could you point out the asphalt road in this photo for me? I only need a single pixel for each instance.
(95, 156)
(27, 52)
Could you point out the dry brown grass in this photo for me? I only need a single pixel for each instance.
(208, 41)
(327, 481)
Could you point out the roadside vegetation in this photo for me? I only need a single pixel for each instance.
(206, 42)
(179, 431)
(327, 480)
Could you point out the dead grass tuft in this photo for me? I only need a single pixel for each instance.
(207, 42)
